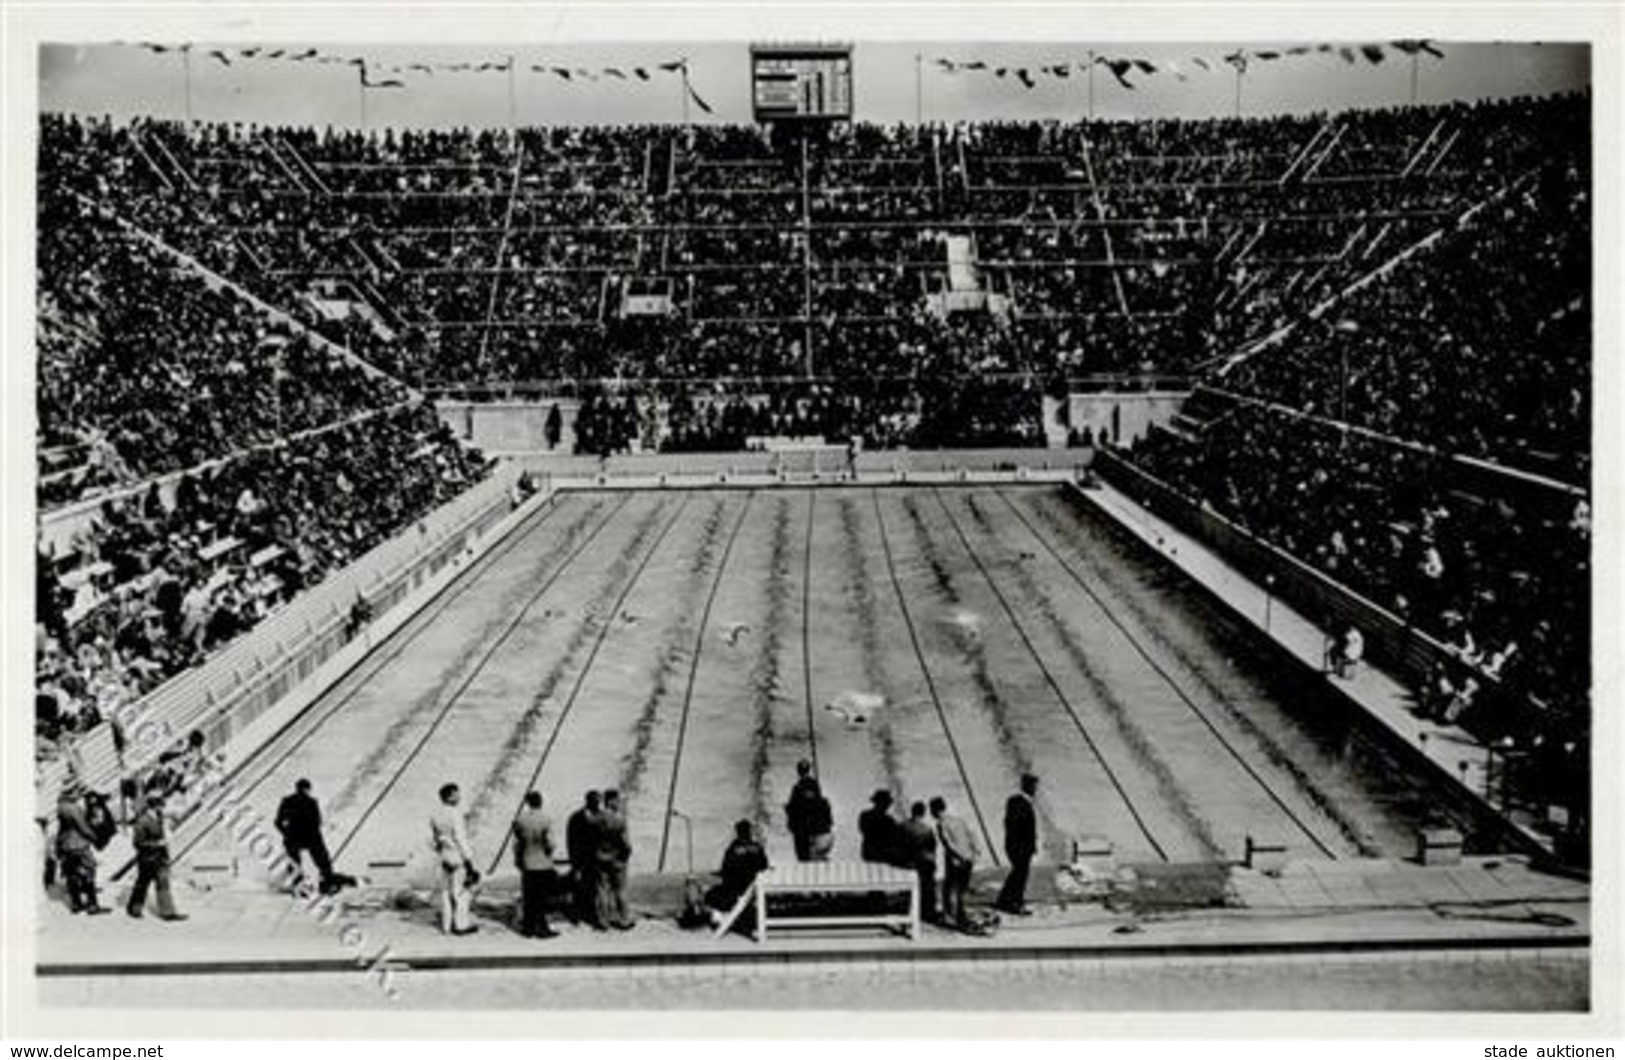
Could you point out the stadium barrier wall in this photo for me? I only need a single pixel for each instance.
(259, 670)
(868, 464)
(1389, 641)
(1390, 644)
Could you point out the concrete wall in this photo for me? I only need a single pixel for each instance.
(1125, 416)
(499, 427)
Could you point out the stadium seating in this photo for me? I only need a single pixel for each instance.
(1420, 273)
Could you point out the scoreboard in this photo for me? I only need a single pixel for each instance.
(801, 81)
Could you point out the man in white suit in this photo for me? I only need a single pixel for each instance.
(449, 833)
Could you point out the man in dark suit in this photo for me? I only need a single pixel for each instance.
(533, 856)
(614, 853)
(299, 819)
(1020, 844)
(581, 844)
(877, 830)
(808, 816)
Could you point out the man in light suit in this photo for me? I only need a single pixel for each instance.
(959, 855)
(449, 833)
(533, 856)
(1020, 844)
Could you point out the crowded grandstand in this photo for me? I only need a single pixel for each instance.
(1383, 317)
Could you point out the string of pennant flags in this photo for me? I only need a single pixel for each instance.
(1122, 68)
(385, 75)
(1126, 70)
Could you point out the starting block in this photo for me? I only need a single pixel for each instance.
(1438, 846)
(389, 874)
(1091, 870)
(211, 873)
(1267, 855)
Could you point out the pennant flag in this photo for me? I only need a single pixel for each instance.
(1024, 77)
(643, 75)
(948, 65)
(673, 67)
(1268, 57)
(156, 49)
(459, 67)
(1199, 61)
(1373, 52)
(424, 67)
(610, 71)
(249, 53)
(1061, 70)
(1238, 59)
(1433, 49)
(221, 56)
(588, 74)
(276, 54)
(1119, 69)
(309, 53)
(1000, 72)
(1325, 48)
(1145, 66)
(977, 65)
(562, 72)
(1302, 49)
(698, 102)
(1347, 53)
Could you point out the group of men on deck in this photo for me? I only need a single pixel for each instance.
(914, 843)
(596, 844)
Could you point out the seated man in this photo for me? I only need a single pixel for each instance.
(744, 859)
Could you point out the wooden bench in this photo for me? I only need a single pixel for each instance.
(830, 878)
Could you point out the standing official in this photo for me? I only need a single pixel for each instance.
(1020, 844)
(581, 844)
(614, 853)
(808, 816)
(299, 819)
(959, 856)
(76, 843)
(448, 832)
(919, 853)
(533, 855)
(152, 860)
(877, 830)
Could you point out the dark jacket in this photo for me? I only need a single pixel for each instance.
(741, 863)
(880, 836)
(918, 849)
(614, 847)
(1020, 827)
(73, 832)
(808, 812)
(299, 818)
(581, 838)
(148, 835)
